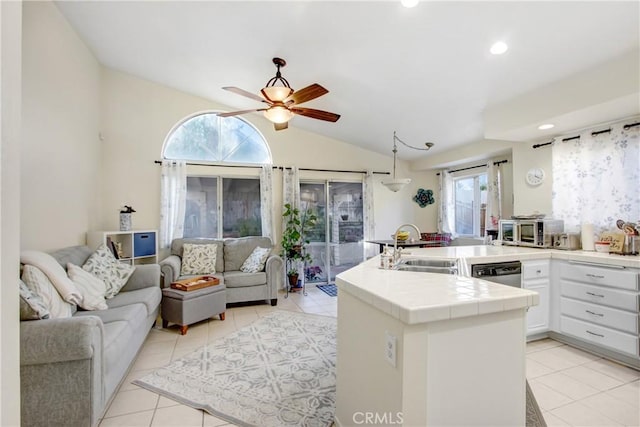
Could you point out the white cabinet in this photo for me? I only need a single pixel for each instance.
(132, 247)
(535, 277)
(600, 305)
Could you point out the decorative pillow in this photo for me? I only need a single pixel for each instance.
(91, 288)
(103, 265)
(198, 259)
(32, 307)
(255, 261)
(54, 271)
(40, 284)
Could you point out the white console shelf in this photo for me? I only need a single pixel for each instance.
(134, 247)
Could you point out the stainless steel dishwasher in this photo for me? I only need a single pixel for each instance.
(505, 273)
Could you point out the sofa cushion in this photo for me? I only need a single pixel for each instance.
(32, 307)
(40, 284)
(150, 297)
(237, 250)
(199, 258)
(132, 313)
(177, 249)
(239, 279)
(255, 261)
(77, 255)
(105, 267)
(91, 288)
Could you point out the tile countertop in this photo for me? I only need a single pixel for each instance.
(416, 297)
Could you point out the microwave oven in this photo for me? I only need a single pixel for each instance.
(530, 232)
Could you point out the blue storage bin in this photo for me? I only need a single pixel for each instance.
(144, 244)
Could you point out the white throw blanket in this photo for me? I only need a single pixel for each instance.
(55, 272)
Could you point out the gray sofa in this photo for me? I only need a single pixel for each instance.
(71, 367)
(230, 254)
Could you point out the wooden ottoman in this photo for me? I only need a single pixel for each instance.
(187, 307)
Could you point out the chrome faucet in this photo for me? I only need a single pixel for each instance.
(396, 253)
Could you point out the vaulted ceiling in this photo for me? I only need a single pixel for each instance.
(425, 72)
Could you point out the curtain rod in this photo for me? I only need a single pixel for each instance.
(499, 162)
(594, 133)
(278, 167)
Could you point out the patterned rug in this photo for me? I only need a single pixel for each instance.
(534, 414)
(330, 290)
(278, 371)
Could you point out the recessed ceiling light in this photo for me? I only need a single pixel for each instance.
(546, 126)
(498, 48)
(409, 3)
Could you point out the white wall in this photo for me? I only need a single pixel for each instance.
(138, 114)
(531, 199)
(60, 165)
(10, 91)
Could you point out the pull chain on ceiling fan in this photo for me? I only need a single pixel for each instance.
(283, 100)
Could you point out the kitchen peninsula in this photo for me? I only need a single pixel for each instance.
(418, 348)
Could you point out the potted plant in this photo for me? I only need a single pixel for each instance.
(294, 239)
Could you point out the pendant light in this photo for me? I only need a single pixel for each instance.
(396, 184)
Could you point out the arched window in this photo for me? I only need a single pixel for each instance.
(218, 205)
(207, 137)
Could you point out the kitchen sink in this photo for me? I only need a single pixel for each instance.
(427, 265)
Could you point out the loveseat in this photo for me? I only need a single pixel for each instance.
(71, 367)
(231, 253)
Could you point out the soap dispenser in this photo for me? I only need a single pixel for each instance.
(385, 259)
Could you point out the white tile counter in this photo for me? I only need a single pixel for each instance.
(417, 297)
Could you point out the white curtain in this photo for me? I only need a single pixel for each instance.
(493, 211)
(266, 201)
(291, 187)
(290, 195)
(447, 205)
(596, 179)
(173, 201)
(367, 215)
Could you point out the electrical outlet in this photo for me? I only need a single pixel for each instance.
(390, 349)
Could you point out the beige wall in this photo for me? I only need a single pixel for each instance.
(10, 89)
(531, 199)
(60, 165)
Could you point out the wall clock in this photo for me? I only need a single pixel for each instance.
(535, 176)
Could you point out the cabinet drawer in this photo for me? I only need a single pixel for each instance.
(535, 270)
(617, 298)
(600, 335)
(599, 314)
(616, 278)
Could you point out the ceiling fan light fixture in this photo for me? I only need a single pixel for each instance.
(278, 114)
(276, 93)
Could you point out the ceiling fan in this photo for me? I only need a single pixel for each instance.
(283, 101)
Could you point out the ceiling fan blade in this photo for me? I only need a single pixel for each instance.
(243, 92)
(281, 126)
(315, 114)
(306, 94)
(236, 113)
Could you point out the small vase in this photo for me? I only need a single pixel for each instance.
(125, 221)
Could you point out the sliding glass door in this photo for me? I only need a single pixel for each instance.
(336, 242)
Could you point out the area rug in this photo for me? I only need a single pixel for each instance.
(330, 290)
(278, 371)
(534, 414)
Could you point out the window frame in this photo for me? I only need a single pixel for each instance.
(220, 198)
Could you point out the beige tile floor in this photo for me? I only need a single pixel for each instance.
(573, 388)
